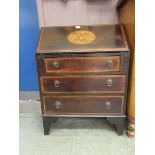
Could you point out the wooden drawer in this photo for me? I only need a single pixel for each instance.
(92, 84)
(83, 105)
(83, 64)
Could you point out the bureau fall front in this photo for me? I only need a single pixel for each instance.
(83, 72)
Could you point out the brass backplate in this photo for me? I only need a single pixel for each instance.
(81, 37)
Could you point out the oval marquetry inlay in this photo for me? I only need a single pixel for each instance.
(81, 37)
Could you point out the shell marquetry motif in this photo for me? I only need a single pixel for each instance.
(81, 37)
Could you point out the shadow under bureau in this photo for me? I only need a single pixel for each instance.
(83, 72)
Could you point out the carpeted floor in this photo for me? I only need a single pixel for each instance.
(72, 136)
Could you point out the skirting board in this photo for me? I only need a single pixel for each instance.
(29, 95)
(29, 102)
(29, 106)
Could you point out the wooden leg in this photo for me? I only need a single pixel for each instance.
(131, 128)
(47, 121)
(118, 122)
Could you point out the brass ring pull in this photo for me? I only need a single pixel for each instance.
(108, 105)
(109, 83)
(56, 65)
(110, 63)
(56, 83)
(58, 104)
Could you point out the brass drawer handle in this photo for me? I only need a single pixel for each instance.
(58, 104)
(56, 65)
(108, 105)
(56, 83)
(110, 63)
(109, 83)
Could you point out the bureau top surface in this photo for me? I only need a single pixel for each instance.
(70, 39)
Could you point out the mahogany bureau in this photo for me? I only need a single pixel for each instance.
(83, 72)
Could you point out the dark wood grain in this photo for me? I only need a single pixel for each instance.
(47, 122)
(83, 64)
(118, 122)
(123, 63)
(81, 77)
(93, 84)
(83, 105)
(108, 38)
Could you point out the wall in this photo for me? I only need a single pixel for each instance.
(77, 12)
(29, 31)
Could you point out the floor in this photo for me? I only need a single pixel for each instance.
(71, 136)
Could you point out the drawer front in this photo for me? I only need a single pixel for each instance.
(92, 84)
(83, 105)
(83, 64)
